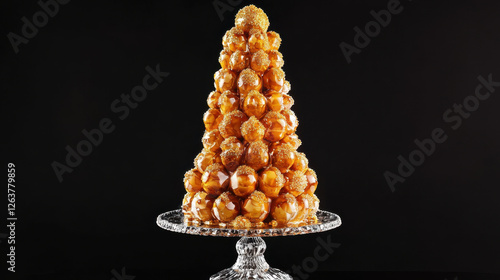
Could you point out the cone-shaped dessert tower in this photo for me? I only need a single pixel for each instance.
(249, 173)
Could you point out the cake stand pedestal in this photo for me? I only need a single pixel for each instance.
(250, 263)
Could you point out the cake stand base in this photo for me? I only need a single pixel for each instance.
(251, 263)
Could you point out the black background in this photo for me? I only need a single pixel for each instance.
(355, 119)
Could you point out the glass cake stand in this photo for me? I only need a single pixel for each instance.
(250, 263)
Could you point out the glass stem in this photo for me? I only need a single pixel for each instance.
(250, 255)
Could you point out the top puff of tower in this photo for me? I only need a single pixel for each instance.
(251, 17)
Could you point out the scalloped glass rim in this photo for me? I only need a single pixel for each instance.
(174, 221)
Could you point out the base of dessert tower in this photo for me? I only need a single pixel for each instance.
(250, 263)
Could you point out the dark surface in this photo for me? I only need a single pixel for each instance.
(355, 119)
(318, 275)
